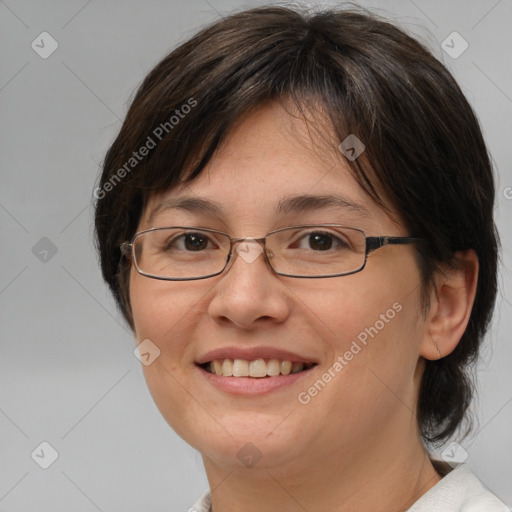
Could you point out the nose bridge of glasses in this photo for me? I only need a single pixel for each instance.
(248, 239)
(248, 248)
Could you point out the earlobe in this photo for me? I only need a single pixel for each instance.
(451, 304)
(436, 348)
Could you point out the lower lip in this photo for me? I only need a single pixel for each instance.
(253, 385)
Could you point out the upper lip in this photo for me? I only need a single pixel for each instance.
(250, 354)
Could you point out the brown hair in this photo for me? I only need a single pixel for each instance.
(424, 148)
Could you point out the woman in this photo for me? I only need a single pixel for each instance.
(296, 221)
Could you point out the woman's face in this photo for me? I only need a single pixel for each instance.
(363, 331)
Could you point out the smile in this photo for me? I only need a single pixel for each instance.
(257, 368)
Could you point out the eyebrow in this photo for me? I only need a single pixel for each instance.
(291, 204)
(190, 204)
(308, 202)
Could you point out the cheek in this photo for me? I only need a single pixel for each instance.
(157, 306)
(166, 313)
(372, 330)
(371, 320)
(355, 308)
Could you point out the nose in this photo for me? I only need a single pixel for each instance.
(249, 292)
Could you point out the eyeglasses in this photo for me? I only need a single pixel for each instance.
(182, 253)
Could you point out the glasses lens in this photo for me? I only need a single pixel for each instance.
(317, 250)
(179, 253)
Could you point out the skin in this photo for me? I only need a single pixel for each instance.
(354, 446)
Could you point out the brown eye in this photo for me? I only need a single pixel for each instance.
(320, 241)
(188, 242)
(195, 241)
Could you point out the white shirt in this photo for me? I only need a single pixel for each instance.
(458, 491)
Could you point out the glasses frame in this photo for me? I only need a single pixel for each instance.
(372, 243)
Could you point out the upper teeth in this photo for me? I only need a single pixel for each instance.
(256, 368)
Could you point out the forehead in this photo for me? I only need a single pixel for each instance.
(273, 163)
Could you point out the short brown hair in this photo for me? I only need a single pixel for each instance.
(424, 148)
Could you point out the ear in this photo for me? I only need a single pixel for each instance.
(451, 303)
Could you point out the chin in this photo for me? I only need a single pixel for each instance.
(244, 445)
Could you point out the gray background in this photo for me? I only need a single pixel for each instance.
(68, 375)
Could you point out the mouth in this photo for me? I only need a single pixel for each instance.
(256, 368)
